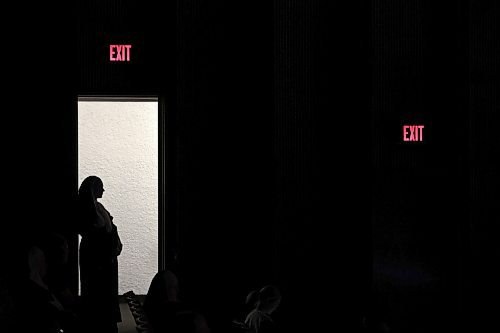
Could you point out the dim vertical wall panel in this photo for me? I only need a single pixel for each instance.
(293, 119)
(484, 148)
(419, 193)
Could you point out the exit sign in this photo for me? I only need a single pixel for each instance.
(413, 133)
(119, 52)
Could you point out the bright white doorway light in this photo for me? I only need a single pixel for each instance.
(118, 142)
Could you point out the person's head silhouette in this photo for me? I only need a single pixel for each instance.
(163, 288)
(259, 319)
(55, 247)
(92, 187)
(91, 212)
(37, 266)
(269, 299)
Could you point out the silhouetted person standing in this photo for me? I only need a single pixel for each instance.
(99, 248)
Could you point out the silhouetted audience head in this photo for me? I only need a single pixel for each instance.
(164, 310)
(269, 299)
(37, 266)
(38, 310)
(252, 298)
(55, 247)
(191, 322)
(56, 250)
(163, 288)
(259, 320)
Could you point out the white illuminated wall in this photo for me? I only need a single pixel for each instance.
(118, 142)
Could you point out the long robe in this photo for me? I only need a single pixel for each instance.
(99, 251)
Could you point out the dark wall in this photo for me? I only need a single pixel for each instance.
(224, 124)
(433, 63)
(38, 143)
(420, 189)
(484, 177)
(274, 160)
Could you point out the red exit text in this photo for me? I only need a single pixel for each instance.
(413, 133)
(119, 52)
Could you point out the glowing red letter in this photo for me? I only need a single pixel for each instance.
(421, 131)
(128, 51)
(111, 53)
(405, 133)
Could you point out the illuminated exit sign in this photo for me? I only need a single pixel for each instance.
(119, 52)
(413, 133)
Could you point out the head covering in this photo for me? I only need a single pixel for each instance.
(92, 213)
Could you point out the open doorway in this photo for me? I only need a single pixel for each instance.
(118, 142)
